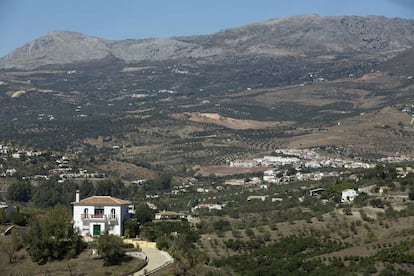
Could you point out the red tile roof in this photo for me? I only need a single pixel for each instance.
(101, 200)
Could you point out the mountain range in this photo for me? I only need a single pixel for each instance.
(306, 35)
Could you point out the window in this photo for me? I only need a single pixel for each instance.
(99, 212)
(85, 213)
(113, 213)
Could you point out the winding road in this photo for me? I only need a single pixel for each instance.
(157, 259)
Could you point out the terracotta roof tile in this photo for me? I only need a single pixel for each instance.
(101, 200)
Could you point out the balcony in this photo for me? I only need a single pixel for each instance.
(112, 219)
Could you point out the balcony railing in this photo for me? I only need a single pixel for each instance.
(99, 217)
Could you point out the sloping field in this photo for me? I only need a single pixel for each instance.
(387, 131)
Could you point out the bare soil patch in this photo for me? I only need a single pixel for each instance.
(217, 119)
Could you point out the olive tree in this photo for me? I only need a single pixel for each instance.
(53, 237)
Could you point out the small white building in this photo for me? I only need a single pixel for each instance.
(94, 215)
(169, 215)
(243, 164)
(209, 206)
(7, 210)
(348, 195)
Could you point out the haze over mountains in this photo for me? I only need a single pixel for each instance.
(307, 35)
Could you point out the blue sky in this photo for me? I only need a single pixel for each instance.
(24, 20)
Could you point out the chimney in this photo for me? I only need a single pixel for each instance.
(77, 196)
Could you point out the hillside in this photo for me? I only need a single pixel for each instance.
(301, 81)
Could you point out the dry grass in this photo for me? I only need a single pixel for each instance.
(127, 170)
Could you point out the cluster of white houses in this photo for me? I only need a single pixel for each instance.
(271, 176)
(307, 158)
(63, 167)
(7, 151)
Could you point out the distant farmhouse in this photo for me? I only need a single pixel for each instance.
(95, 215)
(348, 195)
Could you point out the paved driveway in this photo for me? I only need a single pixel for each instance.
(156, 259)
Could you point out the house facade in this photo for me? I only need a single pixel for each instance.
(95, 215)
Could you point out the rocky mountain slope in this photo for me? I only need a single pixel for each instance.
(297, 36)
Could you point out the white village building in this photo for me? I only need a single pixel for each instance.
(94, 215)
(348, 195)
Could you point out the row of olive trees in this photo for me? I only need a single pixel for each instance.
(51, 192)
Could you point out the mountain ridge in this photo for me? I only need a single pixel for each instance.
(296, 35)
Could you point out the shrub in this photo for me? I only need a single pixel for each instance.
(222, 225)
(162, 243)
(250, 233)
(53, 237)
(110, 249)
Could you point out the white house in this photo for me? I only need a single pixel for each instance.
(348, 195)
(94, 215)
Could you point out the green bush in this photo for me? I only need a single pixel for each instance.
(110, 249)
(18, 218)
(162, 243)
(20, 191)
(53, 237)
